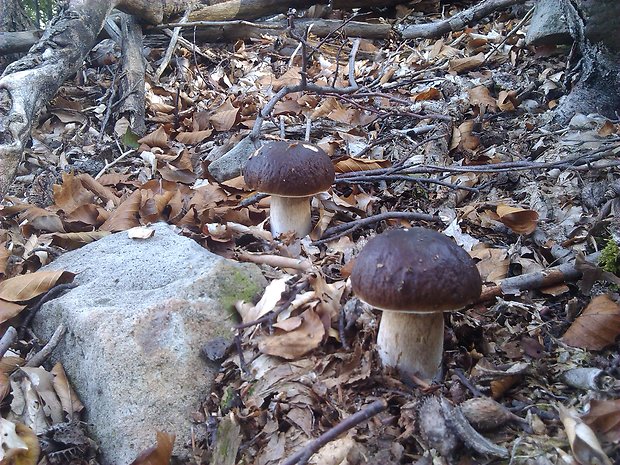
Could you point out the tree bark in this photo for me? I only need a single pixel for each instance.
(12, 19)
(29, 83)
(16, 42)
(594, 28)
(252, 9)
(132, 84)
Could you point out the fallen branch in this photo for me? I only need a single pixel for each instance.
(535, 280)
(457, 22)
(336, 232)
(364, 414)
(276, 261)
(17, 42)
(28, 84)
(9, 337)
(46, 351)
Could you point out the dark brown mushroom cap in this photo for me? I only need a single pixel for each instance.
(289, 169)
(416, 269)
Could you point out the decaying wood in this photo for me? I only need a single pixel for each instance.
(29, 83)
(535, 280)
(458, 21)
(15, 42)
(132, 82)
(251, 9)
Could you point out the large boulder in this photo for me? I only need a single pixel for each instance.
(136, 322)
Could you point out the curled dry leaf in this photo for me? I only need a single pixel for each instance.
(25, 287)
(293, 344)
(140, 232)
(71, 241)
(520, 220)
(126, 215)
(582, 440)
(271, 296)
(69, 400)
(157, 138)
(351, 164)
(159, 454)
(597, 327)
(604, 417)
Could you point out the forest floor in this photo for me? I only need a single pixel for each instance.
(458, 129)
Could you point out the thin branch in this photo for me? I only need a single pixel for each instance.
(171, 47)
(336, 232)
(396, 177)
(348, 423)
(535, 280)
(46, 351)
(9, 337)
(52, 294)
(276, 261)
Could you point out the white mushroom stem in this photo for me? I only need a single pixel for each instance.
(290, 214)
(411, 342)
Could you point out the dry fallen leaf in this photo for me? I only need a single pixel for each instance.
(597, 327)
(19, 444)
(9, 310)
(351, 164)
(460, 65)
(25, 287)
(604, 417)
(300, 341)
(140, 232)
(582, 440)
(157, 138)
(520, 220)
(126, 215)
(157, 455)
(69, 400)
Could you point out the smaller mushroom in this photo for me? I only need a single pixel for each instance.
(414, 275)
(291, 172)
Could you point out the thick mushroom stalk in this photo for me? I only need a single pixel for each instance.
(414, 275)
(290, 214)
(411, 343)
(291, 172)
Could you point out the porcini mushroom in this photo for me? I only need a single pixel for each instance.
(414, 275)
(291, 172)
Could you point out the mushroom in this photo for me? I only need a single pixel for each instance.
(291, 172)
(414, 275)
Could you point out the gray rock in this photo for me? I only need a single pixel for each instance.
(231, 164)
(548, 25)
(136, 324)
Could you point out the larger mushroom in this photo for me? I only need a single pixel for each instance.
(414, 275)
(291, 172)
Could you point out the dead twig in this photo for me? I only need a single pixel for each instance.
(535, 280)
(336, 232)
(348, 423)
(46, 351)
(276, 261)
(171, 47)
(402, 177)
(52, 294)
(9, 337)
